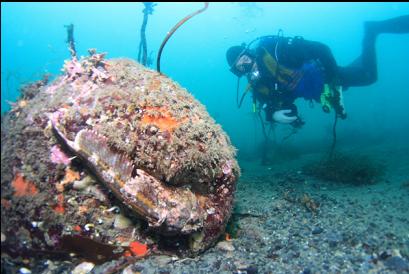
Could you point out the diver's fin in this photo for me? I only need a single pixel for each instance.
(398, 24)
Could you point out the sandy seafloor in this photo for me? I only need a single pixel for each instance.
(355, 229)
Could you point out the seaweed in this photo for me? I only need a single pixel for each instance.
(349, 169)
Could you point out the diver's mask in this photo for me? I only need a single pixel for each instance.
(243, 64)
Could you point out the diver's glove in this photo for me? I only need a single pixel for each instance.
(280, 116)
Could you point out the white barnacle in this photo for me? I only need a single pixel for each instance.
(103, 118)
(88, 227)
(72, 201)
(122, 222)
(111, 174)
(89, 121)
(24, 270)
(37, 224)
(84, 267)
(114, 209)
(95, 157)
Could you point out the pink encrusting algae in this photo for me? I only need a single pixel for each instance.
(58, 156)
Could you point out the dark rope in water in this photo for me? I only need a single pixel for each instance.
(255, 129)
(142, 43)
(334, 137)
(243, 95)
(262, 125)
(70, 40)
(143, 49)
(265, 149)
(237, 92)
(170, 33)
(285, 138)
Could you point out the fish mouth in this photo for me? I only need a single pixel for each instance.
(172, 210)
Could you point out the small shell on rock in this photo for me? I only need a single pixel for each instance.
(227, 167)
(37, 224)
(121, 222)
(80, 185)
(153, 130)
(24, 270)
(83, 268)
(3, 237)
(225, 245)
(396, 252)
(72, 201)
(96, 192)
(195, 239)
(114, 209)
(88, 227)
(129, 270)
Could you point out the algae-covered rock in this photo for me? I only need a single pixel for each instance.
(155, 154)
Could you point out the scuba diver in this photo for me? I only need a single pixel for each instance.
(281, 69)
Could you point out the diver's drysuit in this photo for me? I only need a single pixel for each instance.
(289, 68)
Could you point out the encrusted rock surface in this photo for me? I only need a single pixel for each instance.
(145, 148)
